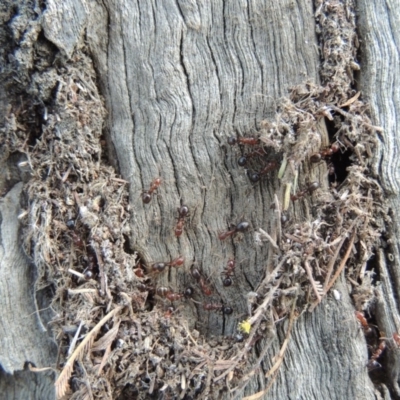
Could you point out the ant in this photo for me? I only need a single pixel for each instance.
(147, 195)
(171, 296)
(363, 321)
(372, 363)
(163, 291)
(242, 161)
(142, 287)
(177, 262)
(317, 157)
(256, 176)
(311, 188)
(218, 307)
(160, 266)
(183, 212)
(204, 287)
(251, 141)
(228, 271)
(240, 227)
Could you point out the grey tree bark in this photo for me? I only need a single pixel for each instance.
(378, 82)
(177, 79)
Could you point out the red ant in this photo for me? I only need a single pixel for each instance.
(204, 287)
(163, 291)
(240, 227)
(218, 307)
(372, 363)
(256, 176)
(251, 141)
(147, 195)
(160, 266)
(364, 323)
(183, 212)
(177, 262)
(228, 272)
(242, 161)
(171, 296)
(311, 188)
(145, 288)
(317, 157)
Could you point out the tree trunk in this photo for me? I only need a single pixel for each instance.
(163, 89)
(378, 82)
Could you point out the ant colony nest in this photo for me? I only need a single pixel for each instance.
(77, 229)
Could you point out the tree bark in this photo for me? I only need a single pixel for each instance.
(179, 78)
(176, 88)
(378, 82)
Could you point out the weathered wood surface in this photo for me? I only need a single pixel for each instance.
(177, 80)
(326, 356)
(27, 385)
(23, 338)
(379, 82)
